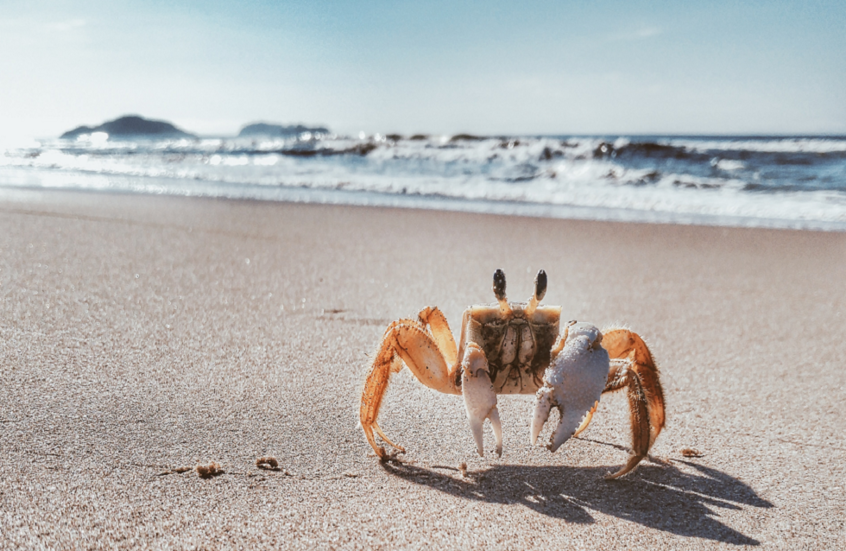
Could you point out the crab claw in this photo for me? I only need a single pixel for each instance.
(480, 397)
(572, 383)
(543, 404)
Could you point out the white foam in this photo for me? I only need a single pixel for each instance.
(781, 145)
(535, 172)
(727, 164)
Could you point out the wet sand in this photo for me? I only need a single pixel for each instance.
(140, 334)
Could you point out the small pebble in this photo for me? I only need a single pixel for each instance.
(268, 462)
(690, 452)
(207, 471)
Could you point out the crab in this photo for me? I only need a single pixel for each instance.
(515, 348)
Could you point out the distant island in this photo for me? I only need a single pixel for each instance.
(131, 126)
(278, 130)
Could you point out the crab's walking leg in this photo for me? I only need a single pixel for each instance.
(480, 397)
(633, 367)
(435, 319)
(405, 341)
(385, 438)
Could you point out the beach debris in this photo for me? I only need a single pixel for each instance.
(463, 469)
(209, 470)
(391, 457)
(177, 470)
(351, 474)
(691, 452)
(516, 348)
(268, 463)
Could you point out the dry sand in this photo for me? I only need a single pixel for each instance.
(140, 334)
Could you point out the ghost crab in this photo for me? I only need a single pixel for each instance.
(515, 348)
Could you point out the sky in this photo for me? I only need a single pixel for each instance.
(486, 67)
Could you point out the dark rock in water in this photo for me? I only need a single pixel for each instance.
(394, 137)
(643, 149)
(465, 137)
(131, 126)
(604, 149)
(359, 149)
(417, 137)
(279, 131)
(508, 143)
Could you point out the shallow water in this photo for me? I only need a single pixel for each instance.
(789, 182)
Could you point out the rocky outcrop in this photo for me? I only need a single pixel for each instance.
(131, 126)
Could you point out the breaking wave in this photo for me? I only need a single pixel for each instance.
(782, 182)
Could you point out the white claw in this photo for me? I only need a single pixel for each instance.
(479, 398)
(567, 426)
(476, 425)
(497, 430)
(543, 403)
(573, 383)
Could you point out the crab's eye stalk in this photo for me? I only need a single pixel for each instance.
(540, 285)
(499, 292)
(540, 291)
(499, 285)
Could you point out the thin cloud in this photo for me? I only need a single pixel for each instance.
(65, 26)
(648, 31)
(29, 26)
(640, 34)
(11, 23)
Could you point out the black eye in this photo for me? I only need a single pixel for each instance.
(499, 284)
(540, 285)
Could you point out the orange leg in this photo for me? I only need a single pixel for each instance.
(405, 341)
(439, 328)
(633, 367)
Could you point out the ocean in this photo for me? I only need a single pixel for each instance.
(778, 182)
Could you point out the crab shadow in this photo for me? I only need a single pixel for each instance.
(662, 497)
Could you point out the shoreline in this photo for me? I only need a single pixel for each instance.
(142, 333)
(304, 195)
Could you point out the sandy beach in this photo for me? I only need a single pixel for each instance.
(139, 334)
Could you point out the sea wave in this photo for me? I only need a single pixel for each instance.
(795, 180)
(766, 145)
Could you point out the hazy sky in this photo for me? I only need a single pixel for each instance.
(440, 67)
